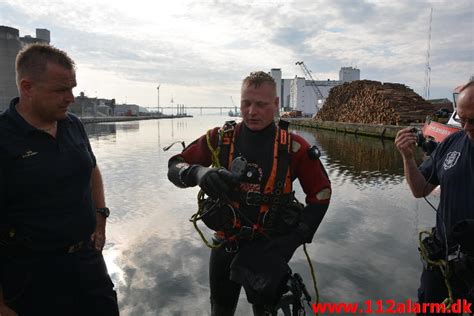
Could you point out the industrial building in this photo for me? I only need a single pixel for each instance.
(349, 74)
(10, 45)
(307, 96)
(85, 106)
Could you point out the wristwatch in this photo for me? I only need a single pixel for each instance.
(104, 211)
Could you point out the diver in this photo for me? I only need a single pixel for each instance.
(250, 201)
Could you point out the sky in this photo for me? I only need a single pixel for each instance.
(199, 51)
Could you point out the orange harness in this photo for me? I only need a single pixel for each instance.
(277, 189)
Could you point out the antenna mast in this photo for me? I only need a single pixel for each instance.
(427, 65)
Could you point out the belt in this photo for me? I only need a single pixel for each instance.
(257, 198)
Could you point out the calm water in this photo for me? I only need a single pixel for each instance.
(366, 247)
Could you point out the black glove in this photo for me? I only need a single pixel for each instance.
(285, 245)
(215, 182)
(310, 218)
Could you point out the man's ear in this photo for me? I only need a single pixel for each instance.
(25, 87)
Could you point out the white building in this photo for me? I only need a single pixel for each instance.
(305, 95)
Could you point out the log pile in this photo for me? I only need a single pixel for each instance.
(373, 102)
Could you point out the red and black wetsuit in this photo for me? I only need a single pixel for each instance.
(257, 147)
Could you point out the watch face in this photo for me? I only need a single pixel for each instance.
(104, 211)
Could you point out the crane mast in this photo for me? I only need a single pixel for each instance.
(315, 87)
(427, 65)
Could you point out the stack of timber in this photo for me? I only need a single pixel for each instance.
(373, 102)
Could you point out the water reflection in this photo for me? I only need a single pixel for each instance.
(365, 248)
(98, 130)
(365, 161)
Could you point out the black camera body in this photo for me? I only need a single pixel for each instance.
(428, 144)
(238, 167)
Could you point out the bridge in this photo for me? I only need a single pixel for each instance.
(181, 108)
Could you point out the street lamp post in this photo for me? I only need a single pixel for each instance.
(158, 94)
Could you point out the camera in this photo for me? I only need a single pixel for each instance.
(238, 167)
(426, 143)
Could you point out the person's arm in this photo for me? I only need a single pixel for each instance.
(405, 142)
(98, 197)
(190, 168)
(317, 187)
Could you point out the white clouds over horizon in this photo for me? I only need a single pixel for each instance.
(200, 50)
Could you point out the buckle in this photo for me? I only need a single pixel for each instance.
(253, 198)
(75, 248)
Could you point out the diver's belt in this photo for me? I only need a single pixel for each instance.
(257, 198)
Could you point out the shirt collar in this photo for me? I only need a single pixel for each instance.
(25, 127)
(13, 115)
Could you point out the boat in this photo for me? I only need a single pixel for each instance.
(439, 131)
(235, 113)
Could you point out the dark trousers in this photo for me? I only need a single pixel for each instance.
(225, 292)
(433, 288)
(59, 284)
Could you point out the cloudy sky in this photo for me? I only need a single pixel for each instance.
(198, 51)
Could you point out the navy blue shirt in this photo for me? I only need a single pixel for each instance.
(45, 182)
(451, 166)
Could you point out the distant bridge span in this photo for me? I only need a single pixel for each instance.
(181, 108)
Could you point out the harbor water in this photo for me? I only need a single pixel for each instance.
(365, 248)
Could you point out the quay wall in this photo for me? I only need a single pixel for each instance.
(381, 131)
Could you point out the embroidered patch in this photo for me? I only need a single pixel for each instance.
(324, 194)
(29, 153)
(451, 159)
(295, 146)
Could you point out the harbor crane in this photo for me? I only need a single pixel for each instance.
(315, 87)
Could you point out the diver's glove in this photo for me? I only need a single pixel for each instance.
(215, 182)
(285, 245)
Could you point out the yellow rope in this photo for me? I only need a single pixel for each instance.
(194, 219)
(442, 264)
(200, 196)
(313, 274)
(214, 151)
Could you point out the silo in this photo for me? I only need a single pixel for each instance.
(276, 74)
(43, 34)
(9, 48)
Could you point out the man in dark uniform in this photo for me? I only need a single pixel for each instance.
(52, 205)
(257, 224)
(450, 166)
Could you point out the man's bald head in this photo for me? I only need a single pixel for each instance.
(465, 109)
